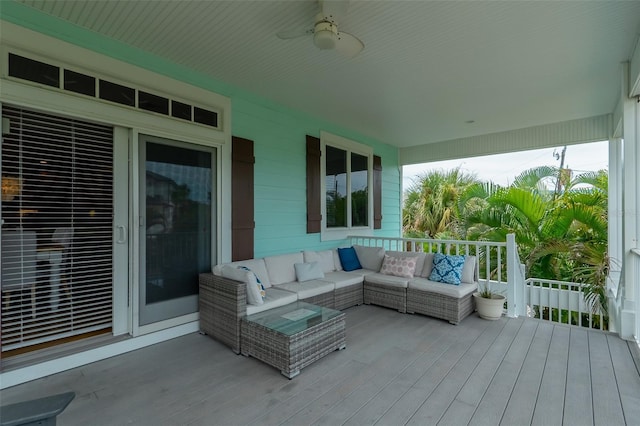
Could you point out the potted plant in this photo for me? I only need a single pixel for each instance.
(489, 304)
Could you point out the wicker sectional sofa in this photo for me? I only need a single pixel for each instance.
(223, 300)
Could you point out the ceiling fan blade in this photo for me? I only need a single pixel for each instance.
(334, 10)
(294, 33)
(348, 45)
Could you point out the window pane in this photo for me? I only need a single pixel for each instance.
(153, 103)
(204, 116)
(79, 83)
(178, 212)
(117, 93)
(336, 187)
(36, 71)
(180, 110)
(359, 191)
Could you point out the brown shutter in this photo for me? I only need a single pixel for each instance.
(314, 216)
(377, 192)
(242, 220)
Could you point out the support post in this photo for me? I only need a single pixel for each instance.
(515, 280)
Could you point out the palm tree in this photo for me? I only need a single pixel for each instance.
(431, 206)
(561, 236)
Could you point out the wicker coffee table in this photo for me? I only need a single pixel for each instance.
(293, 336)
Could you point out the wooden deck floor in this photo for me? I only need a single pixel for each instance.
(397, 369)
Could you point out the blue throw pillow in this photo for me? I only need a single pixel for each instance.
(349, 259)
(447, 268)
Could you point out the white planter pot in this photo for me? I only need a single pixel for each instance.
(490, 309)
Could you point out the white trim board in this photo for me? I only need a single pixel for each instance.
(592, 129)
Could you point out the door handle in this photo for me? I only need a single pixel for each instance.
(121, 232)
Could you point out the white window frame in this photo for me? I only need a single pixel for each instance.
(350, 146)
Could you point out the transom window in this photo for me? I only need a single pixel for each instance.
(347, 181)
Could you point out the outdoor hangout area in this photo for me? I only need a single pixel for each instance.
(232, 212)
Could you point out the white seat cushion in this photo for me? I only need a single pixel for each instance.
(360, 272)
(275, 298)
(342, 279)
(281, 269)
(451, 290)
(308, 288)
(388, 280)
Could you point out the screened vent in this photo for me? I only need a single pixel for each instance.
(57, 195)
(83, 84)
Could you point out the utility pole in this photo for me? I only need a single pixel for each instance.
(559, 179)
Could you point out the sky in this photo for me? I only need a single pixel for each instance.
(503, 168)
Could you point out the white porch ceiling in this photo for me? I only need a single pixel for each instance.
(428, 67)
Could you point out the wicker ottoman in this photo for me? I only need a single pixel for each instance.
(291, 337)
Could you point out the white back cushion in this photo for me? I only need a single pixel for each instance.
(324, 258)
(469, 270)
(428, 265)
(370, 257)
(336, 260)
(257, 266)
(281, 269)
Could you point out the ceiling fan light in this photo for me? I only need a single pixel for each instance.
(325, 35)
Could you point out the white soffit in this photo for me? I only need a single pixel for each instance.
(427, 68)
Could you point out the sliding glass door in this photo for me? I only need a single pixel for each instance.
(176, 229)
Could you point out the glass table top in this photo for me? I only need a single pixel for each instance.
(293, 318)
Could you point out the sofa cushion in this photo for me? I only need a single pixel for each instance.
(254, 291)
(336, 260)
(308, 271)
(457, 291)
(469, 270)
(343, 279)
(447, 268)
(324, 258)
(255, 265)
(308, 288)
(370, 257)
(420, 257)
(361, 272)
(349, 259)
(398, 266)
(388, 280)
(428, 265)
(280, 267)
(275, 298)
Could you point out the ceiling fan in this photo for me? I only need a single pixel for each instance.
(325, 31)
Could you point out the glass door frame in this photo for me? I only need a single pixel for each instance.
(137, 221)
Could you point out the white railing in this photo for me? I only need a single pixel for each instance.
(561, 302)
(500, 268)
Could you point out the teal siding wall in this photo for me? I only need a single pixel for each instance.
(278, 133)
